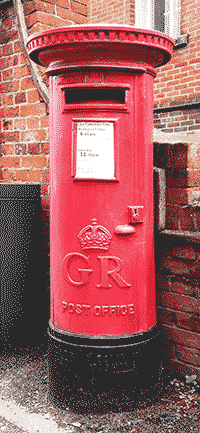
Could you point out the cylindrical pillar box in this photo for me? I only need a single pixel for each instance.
(102, 329)
(24, 296)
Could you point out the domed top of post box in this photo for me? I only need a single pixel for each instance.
(102, 45)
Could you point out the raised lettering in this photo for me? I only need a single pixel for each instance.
(86, 309)
(64, 306)
(104, 309)
(71, 307)
(97, 310)
(78, 309)
(130, 308)
(84, 272)
(123, 310)
(105, 272)
(112, 309)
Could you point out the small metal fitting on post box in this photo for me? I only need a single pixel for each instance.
(135, 214)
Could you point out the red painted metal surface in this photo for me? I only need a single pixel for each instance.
(101, 120)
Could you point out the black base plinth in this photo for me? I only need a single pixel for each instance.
(101, 375)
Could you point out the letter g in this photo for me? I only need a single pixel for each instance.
(84, 272)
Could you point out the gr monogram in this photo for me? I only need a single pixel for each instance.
(106, 262)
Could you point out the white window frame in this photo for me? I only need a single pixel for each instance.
(144, 16)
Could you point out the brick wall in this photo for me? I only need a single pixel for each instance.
(178, 257)
(111, 11)
(178, 306)
(178, 83)
(187, 119)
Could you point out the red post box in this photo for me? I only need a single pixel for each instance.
(103, 316)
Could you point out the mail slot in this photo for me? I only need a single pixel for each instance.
(102, 331)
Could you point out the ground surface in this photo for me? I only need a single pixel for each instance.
(24, 405)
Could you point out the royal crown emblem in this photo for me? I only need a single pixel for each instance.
(94, 237)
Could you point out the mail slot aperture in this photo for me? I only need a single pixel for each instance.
(94, 95)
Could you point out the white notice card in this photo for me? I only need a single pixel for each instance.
(95, 150)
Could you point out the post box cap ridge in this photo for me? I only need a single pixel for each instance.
(70, 42)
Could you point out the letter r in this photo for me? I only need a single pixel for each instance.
(114, 273)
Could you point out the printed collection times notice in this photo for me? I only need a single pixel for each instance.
(95, 150)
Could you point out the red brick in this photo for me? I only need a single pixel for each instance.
(181, 336)
(33, 122)
(193, 155)
(182, 177)
(9, 87)
(183, 369)
(9, 111)
(34, 176)
(20, 149)
(21, 175)
(45, 203)
(180, 152)
(188, 321)
(186, 218)
(21, 71)
(8, 124)
(9, 136)
(8, 161)
(7, 49)
(7, 99)
(79, 8)
(193, 177)
(6, 62)
(71, 16)
(182, 195)
(175, 266)
(15, 60)
(62, 3)
(44, 122)
(33, 96)
(33, 135)
(37, 28)
(44, 18)
(45, 148)
(7, 74)
(197, 215)
(34, 161)
(18, 47)
(9, 175)
(44, 189)
(188, 355)
(172, 220)
(27, 83)
(22, 59)
(180, 302)
(45, 176)
(9, 149)
(37, 5)
(182, 287)
(19, 123)
(181, 319)
(20, 98)
(34, 148)
(32, 109)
